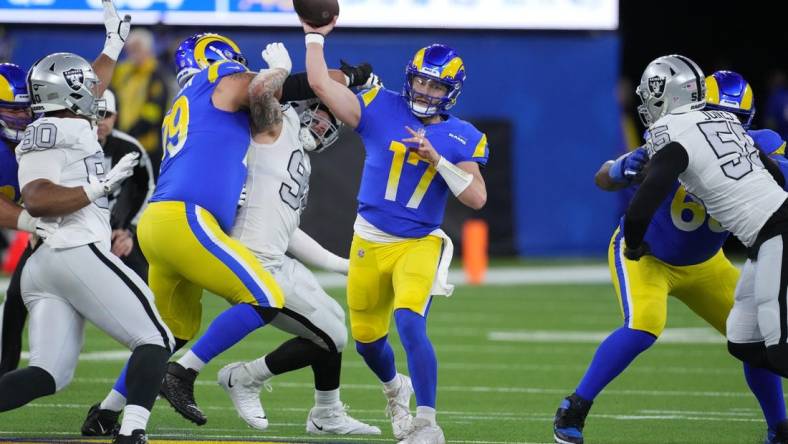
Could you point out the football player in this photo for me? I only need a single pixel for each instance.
(183, 231)
(15, 115)
(71, 275)
(277, 185)
(416, 153)
(686, 261)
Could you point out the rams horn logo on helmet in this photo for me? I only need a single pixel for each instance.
(74, 78)
(656, 85)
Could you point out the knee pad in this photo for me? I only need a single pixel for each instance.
(778, 359)
(753, 353)
(365, 333)
(340, 339)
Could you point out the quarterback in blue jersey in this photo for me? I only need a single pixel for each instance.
(416, 154)
(686, 261)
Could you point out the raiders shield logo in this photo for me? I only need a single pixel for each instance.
(656, 85)
(74, 78)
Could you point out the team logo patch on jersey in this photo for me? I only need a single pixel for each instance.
(656, 85)
(74, 78)
(361, 252)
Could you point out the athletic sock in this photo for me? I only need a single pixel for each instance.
(326, 398)
(19, 387)
(379, 357)
(120, 384)
(114, 401)
(422, 362)
(768, 389)
(191, 361)
(226, 330)
(134, 417)
(612, 356)
(259, 369)
(147, 366)
(394, 384)
(427, 413)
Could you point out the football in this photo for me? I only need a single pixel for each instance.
(316, 13)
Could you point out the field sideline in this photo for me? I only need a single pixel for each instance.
(508, 353)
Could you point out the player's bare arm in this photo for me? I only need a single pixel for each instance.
(265, 111)
(117, 31)
(9, 213)
(604, 182)
(663, 173)
(464, 179)
(44, 198)
(334, 94)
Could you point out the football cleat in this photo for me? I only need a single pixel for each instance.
(398, 408)
(570, 420)
(335, 420)
(779, 436)
(178, 388)
(424, 433)
(244, 391)
(137, 437)
(100, 422)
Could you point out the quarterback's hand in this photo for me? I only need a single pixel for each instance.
(634, 254)
(322, 30)
(276, 56)
(122, 242)
(117, 30)
(422, 147)
(120, 172)
(626, 167)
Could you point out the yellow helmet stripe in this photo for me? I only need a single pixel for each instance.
(199, 48)
(418, 59)
(6, 91)
(746, 99)
(452, 68)
(712, 91)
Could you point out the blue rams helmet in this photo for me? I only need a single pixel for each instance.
(202, 50)
(13, 95)
(728, 91)
(438, 63)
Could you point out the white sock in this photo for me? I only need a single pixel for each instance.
(427, 413)
(327, 398)
(134, 417)
(259, 370)
(114, 401)
(190, 360)
(394, 384)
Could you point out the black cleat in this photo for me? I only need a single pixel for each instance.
(570, 420)
(137, 437)
(100, 422)
(779, 436)
(178, 388)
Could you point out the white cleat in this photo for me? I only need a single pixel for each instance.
(424, 433)
(244, 391)
(398, 408)
(336, 421)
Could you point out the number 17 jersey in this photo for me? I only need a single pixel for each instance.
(401, 193)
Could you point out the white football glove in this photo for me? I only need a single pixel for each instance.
(372, 82)
(120, 172)
(34, 225)
(117, 30)
(276, 56)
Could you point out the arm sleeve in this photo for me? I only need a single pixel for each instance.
(308, 251)
(45, 164)
(774, 167)
(664, 170)
(296, 87)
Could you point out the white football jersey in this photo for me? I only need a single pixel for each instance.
(724, 171)
(277, 184)
(66, 152)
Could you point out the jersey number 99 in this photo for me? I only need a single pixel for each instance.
(175, 127)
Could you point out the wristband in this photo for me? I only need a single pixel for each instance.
(456, 178)
(314, 37)
(26, 222)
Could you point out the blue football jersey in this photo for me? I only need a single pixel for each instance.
(9, 182)
(400, 192)
(204, 148)
(681, 233)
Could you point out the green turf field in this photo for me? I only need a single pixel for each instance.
(507, 355)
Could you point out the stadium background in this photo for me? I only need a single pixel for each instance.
(548, 99)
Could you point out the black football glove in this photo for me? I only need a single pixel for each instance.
(357, 75)
(634, 254)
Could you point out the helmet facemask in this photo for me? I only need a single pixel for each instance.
(423, 104)
(319, 128)
(12, 127)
